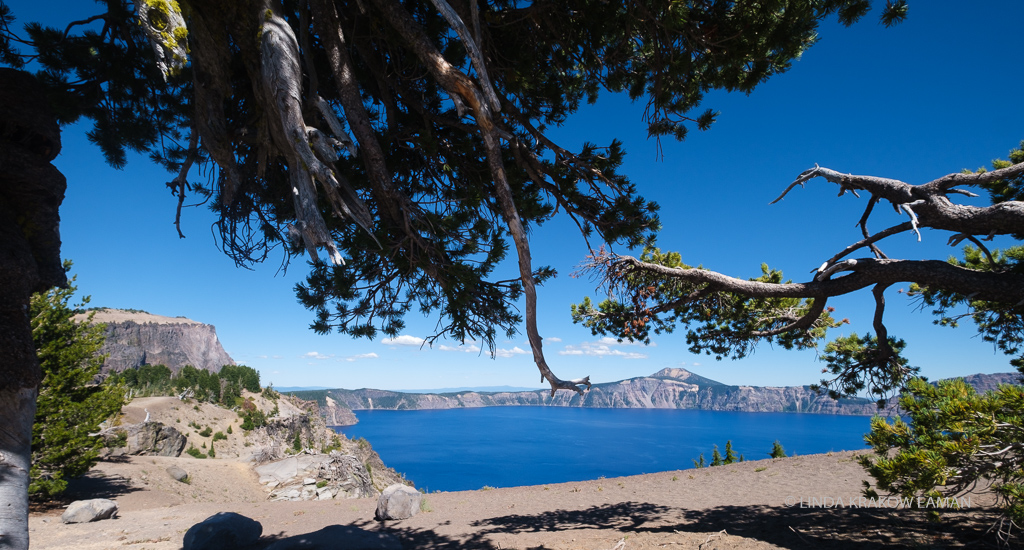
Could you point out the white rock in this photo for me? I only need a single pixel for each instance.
(84, 511)
(398, 502)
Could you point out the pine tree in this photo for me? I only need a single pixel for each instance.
(71, 404)
(777, 450)
(730, 456)
(699, 462)
(716, 457)
(412, 150)
(955, 439)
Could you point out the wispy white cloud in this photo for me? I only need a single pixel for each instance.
(601, 349)
(502, 352)
(354, 358)
(316, 355)
(553, 339)
(609, 341)
(465, 348)
(403, 340)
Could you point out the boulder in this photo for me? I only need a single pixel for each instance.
(398, 502)
(223, 531)
(84, 511)
(177, 473)
(145, 438)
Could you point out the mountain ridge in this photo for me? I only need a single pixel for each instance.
(669, 388)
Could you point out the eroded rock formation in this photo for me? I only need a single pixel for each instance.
(137, 338)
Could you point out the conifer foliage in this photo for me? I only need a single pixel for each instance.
(71, 404)
(727, 316)
(402, 145)
(956, 441)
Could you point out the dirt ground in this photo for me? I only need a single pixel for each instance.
(773, 503)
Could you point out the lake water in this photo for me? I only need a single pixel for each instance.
(464, 449)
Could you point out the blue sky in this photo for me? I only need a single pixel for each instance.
(932, 96)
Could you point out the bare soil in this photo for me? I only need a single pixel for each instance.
(774, 503)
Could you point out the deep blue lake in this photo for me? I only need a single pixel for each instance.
(465, 449)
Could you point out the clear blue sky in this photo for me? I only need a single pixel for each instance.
(934, 95)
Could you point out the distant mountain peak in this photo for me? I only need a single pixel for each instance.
(673, 372)
(683, 375)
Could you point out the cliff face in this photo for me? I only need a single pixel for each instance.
(665, 389)
(136, 339)
(989, 382)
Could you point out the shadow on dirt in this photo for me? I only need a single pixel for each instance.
(861, 528)
(795, 527)
(369, 535)
(96, 485)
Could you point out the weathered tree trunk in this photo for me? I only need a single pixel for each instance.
(31, 191)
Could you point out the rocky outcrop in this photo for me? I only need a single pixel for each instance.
(137, 338)
(336, 414)
(671, 388)
(317, 477)
(351, 469)
(144, 438)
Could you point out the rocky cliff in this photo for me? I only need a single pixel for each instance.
(671, 388)
(137, 338)
(665, 389)
(989, 382)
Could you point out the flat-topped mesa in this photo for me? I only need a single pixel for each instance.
(138, 338)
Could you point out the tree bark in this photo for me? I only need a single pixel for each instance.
(17, 411)
(31, 191)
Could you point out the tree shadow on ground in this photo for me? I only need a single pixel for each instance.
(792, 527)
(89, 486)
(370, 535)
(795, 528)
(96, 485)
(622, 516)
(860, 528)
